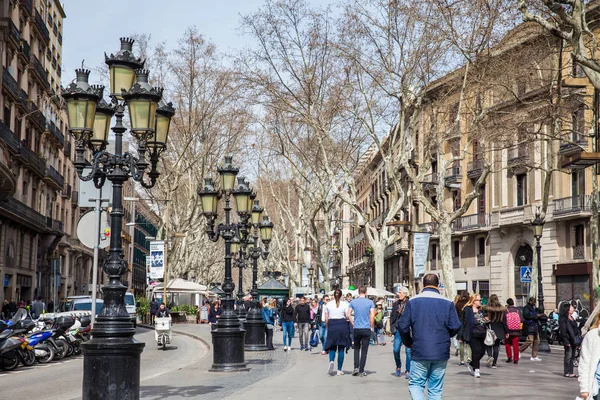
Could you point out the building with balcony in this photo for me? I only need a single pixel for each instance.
(38, 215)
(147, 224)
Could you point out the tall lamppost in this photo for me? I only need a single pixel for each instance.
(538, 229)
(255, 326)
(238, 251)
(111, 363)
(228, 336)
(367, 258)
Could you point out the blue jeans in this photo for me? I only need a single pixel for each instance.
(340, 354)
(288, 332)
(323, 334)
(430, 373)
(397, 346)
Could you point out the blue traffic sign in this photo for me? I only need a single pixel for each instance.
(526, 274)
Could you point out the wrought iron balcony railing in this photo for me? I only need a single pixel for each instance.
(41, 27)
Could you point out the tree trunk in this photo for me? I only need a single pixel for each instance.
(378, 279)
(445, 238)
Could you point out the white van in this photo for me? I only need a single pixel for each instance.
(131, 307)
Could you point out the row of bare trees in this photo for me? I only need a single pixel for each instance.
(428, 86)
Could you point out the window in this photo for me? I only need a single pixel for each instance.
(578, 123)
(576, 69)
(456, 200)
(483, 288)
(481, 252)
(456, 254)
(521, 189)
(523, 258)
(579, 247)
(6, 116)
(433, 257)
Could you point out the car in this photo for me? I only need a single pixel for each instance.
(131, 307)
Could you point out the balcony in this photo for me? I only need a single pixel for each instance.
(57, 226)
(379, 220)
(66, 193)
(68, 149)
(431, 180)
(455, 262)
(74, 197)
(515, 216)
(60, 38)
(480, 260)
(23, 100)
(53, 177)
(56, 133)
(9, 138)
(356, 239)
(37, 117)
(453, 176)
(34, 162)
(572, 207)
(475, 168)
(578, 252)
(21, 212)
(471, 222)
(10, 84)
(430, 227)
(518, 156)
(575, 144)
(39, 71)
(27, 6)
(40, 26)
(14, 35)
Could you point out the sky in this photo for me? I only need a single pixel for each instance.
(93, 27)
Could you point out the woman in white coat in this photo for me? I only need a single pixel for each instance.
(589, 362)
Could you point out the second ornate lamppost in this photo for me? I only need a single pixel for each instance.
(228, 337)
(111, 359)
(538, 230)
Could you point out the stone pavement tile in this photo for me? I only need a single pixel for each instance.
(308, 379)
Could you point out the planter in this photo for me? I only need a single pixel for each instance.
(191, 319)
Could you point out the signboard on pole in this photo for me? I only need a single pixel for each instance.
(157, 259)
(420, 252)
(525, 274)
(148, 266)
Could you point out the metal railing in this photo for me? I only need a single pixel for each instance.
(66, 191)
(55, 176)
(430, 227)
(74, 197)
(10, 83)
(475, 166)
(58, 135)
(27, 5)
(14, 32)
(576, 142)
(23, 99)
(25, 49)
(573, 204)
(38, 68)
(23, 211)
(471, 222)
(36, 116)
(518, 155)
(8, 137)
(455, 262)
(578, 252)
(41, 27)
(480, 260)
(36, 163)
(432, 178)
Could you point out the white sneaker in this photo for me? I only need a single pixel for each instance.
(470, 368)
(340, 372)
(536, 359)
(477, 374)
(331, 368)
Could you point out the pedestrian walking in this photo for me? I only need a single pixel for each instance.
(38, 308)
(398, 306)
(12, 307)
(496, 315)
(512, 325)
(473, 330)
(268, 316)
(363, 324)
(314, 307)
(338, 334)
(5, 311)
(302, 318)
(569, 332)
(426, 325)
(320, 320)
(287, 324)
(153, 308)
(464, 350)
(379, 314)
(590, 358)
(531, 315)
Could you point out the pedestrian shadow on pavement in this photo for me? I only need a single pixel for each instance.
(165, 392)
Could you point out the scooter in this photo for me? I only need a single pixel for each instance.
(162, 331)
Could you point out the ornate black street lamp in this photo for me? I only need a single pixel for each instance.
(255, 326)
(538, 229)
(228, 336)
(111, 363)
(238, 251)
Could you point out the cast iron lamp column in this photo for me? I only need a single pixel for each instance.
(111, 363)
(255, 336)
(228, 336)
(238, 251)
(538, 229)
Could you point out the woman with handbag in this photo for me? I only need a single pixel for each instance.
(473, 330)
(569, 333)
(268, 316)
(379, 314)
(495, 312)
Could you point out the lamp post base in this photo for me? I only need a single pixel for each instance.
(544, 345)
(228, 345)
(255, 331)
(111, 368)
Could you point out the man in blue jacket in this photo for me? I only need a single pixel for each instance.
(428, 322)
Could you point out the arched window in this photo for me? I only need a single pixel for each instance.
(523, 258)
(10, 254)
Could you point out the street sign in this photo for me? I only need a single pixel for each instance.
(525, 274)
(86, 233)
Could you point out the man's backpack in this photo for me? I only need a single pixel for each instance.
(513, 320)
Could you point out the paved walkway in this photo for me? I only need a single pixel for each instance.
(300, 375)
